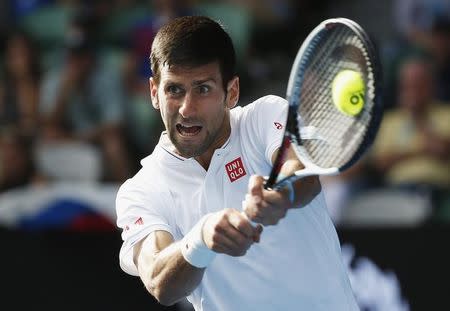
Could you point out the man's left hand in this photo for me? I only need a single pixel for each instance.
(263, 206)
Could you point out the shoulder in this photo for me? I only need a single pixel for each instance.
(136, 187)
(142, 183)
(260, 105)
(143, 192)
(267, 101)
(266, 109)
(271, 99)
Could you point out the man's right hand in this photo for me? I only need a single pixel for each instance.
(230, 232)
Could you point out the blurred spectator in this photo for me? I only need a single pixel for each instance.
(440, 50)
(165, 10)
(414, 19)
(340, 190)
(83, 102)
(22, 8)
(141, 32)
(422, 28)
(413, 146)
(143, 123)
(19, 86)
(141, 119)
(19, 95)
(16, 166)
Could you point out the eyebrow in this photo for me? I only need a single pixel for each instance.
(194, 83)
(199, 82)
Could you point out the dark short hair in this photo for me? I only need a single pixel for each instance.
(193, 41)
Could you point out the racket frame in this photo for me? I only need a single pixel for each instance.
(293, 94)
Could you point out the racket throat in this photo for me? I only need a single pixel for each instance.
(292, 126)
(305, 172)
(311, 171)
(279, 161)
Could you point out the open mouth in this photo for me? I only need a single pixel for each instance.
(185, 130)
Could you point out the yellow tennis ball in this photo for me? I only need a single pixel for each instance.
(348, 92)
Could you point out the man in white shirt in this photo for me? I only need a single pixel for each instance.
(189, 215)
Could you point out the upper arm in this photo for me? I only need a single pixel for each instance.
(141, 211)
(262, 125)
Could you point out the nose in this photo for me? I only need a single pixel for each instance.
(187, 108)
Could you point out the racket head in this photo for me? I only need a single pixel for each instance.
(325, 138)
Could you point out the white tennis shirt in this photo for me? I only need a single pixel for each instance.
(296, 266)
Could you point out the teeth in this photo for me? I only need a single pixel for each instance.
(188, 130)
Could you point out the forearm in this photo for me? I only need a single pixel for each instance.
(304, 189)
(167, 275)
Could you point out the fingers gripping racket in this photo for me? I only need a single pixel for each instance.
(334, 101)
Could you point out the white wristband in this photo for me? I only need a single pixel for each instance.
(290, 188)
(193, 247)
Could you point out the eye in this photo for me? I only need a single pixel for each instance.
(204, 89)
(174, 90)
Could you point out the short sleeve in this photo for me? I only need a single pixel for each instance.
(139, 213)
(263, 124)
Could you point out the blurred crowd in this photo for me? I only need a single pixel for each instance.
(74, 102)
(405, 178)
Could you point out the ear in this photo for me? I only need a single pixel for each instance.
(232, 92)
(153, 86)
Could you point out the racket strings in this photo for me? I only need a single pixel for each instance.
(321, 96)
(353, 60)
(339, 49)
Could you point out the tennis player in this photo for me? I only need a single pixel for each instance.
(189, 215)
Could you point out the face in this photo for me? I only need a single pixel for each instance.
(415, 86)
(440, 46)
(18, 56)
(195, 107)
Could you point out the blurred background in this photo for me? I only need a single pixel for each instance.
(76, 118)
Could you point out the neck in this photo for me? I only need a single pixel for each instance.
(205, 158)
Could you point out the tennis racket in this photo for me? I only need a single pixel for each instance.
(327, 139)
